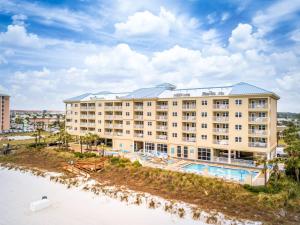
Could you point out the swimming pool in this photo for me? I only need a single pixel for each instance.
(222, 172)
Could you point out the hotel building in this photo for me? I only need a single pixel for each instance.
(4, 113)
(231, 124)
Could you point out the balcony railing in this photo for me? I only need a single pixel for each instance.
(221, 118)
(258, 144)
(221, 130)
(189, 139)
(189, 106)
(117, 107)
(189, 129)
(221, 106)
(139, 135)
(138, 117)
(162, 128)
(258, 132)
(85, 116)
(118, 117)
(258, 119)
(111, 108)
(161, 117)
(88, 124)
(108, 133)
(221, 142)
(162, 107)
(190, 118)
(138, 126)
(118, 133)
(138, 107)
(162, 137)
(258, 105)
(109, 117)
(120, 126)
(108, 125)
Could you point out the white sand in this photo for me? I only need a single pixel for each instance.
(70, 206)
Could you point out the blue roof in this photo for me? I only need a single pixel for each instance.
(245, 89)
(2, 94)
(145, 93)
(78, 98)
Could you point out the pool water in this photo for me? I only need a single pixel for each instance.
(227, 173)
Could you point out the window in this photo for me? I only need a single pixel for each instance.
(162, 148)
(185, 152)
(149, 146)
(75, 113)
(148, 113)
(174, 113)
(175, 103)
(76, 105)
(99, 113)
(99, 130)
(238, 127)
(238, 114)
(238, 101)
(127, 122)
(75, 128)
(204, 137)
(179, 151)
(174, 124)
(127, 113)
(149, 104)
(204, 125)
(204, 114)
(204, 102)
(127, 104)
(149, 124)
(149, 133)
(99, 121)
(99, 104)
(174, 135)
(127, 131)
(75, 121)
(204, 154)
(238, 139)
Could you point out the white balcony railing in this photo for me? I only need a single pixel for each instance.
(189, 139)
(138, 126)
(221, 142)
(221, 130)
(109, 117)
(162, 128)
(162, 137)
(138, 107)
(161, 117)
(221, 106)
(258, 105)
(258, 132)
(87, 107)
(118, 133)
(138, 117)
(110, 108)
(139, 135)
(258, 144)
(189, 106)
(86, 116)
(119, 126)
(108, 125)
(258, 119)
(108, 133)
(162, 107)
(221, 118)
(117, 107)
(118, 117)
(190, 118)
(190, 129)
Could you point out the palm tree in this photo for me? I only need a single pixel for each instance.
(263, 161)
(276, 171)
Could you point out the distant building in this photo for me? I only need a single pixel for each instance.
(4, 113)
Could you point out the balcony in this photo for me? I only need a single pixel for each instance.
(221, 106)
(162, 128)
(189, 139)
(118, 126)
(119, 133)
(109, 117)
(189, 106)
(108, 108)
(108, 125)
(258, 119)
(138, 117)
(161, 117)
(189, 118)
(189, 129)
(118, 117)
(138, 126)
(162, 137)
(138, 107)
(258, 132)
(221, 130)
(162, 107)
(117, 107)
(87, 124)
(108, 133)
(85, 116)
(258, 105)
(258, 144)
(221, 142)
(87, 107)
(221, 118)
(139, 135)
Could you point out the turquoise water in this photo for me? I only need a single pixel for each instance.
(233, 174)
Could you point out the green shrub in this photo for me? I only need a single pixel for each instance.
(38, 145)
(136, 164)
(84, 155)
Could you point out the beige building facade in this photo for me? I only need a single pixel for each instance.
(231, 124)
(4, 113)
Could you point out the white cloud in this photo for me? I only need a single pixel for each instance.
(19, 19)
(146, 23)
(225, 16)
(266, 20)
(16, 35)
(295, 36)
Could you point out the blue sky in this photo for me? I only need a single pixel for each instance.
(52, 50)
